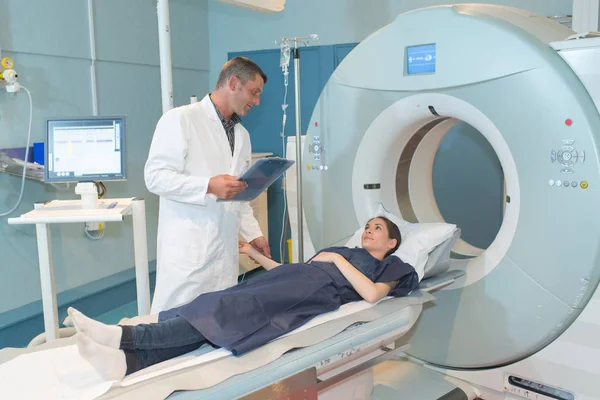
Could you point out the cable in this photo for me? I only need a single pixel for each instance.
(284, 229)
(26, 155)
(284, 220)
(102, 190)
(99, 236)
(284, 63)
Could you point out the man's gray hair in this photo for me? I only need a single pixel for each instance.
(242, 67)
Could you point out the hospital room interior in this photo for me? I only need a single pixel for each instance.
(485, 159)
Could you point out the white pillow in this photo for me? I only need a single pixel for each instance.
(418, 240)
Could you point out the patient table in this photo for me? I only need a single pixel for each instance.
(331, 356)
(314, 359)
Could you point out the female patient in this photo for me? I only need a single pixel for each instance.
(256, 311)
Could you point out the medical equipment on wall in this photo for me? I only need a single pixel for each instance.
(9, 78)
(9, 75)
(86, 151)
(284, 62)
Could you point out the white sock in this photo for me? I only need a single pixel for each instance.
(106, 335)
(108, 362)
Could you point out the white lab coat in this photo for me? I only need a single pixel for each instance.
(197, 247)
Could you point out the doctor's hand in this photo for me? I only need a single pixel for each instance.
(260, 244)
(225, 186)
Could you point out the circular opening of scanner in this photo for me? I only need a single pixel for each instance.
(409, 133)
(467, 185)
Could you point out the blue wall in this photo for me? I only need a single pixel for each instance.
(468, 184)
(49, 42)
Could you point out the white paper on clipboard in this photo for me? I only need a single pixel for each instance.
(260, 175)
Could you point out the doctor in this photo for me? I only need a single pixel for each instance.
(196, 153)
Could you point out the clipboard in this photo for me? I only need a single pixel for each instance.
(259, 176)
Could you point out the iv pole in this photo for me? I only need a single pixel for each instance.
(296, 54)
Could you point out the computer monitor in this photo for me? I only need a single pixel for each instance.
(85, 149)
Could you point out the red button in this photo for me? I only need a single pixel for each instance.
(569, 122)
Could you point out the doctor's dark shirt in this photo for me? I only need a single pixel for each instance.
(229, 126)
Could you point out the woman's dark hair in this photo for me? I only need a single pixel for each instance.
(393, 233)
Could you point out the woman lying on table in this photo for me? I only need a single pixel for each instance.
(254, 312)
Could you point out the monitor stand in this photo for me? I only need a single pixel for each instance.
(89, 194)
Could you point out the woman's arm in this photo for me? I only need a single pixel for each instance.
(366, 288)
(266, 262)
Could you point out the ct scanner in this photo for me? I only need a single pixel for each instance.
(528, 306)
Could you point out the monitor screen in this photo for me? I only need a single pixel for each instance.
(85, 149)
(420, 59)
